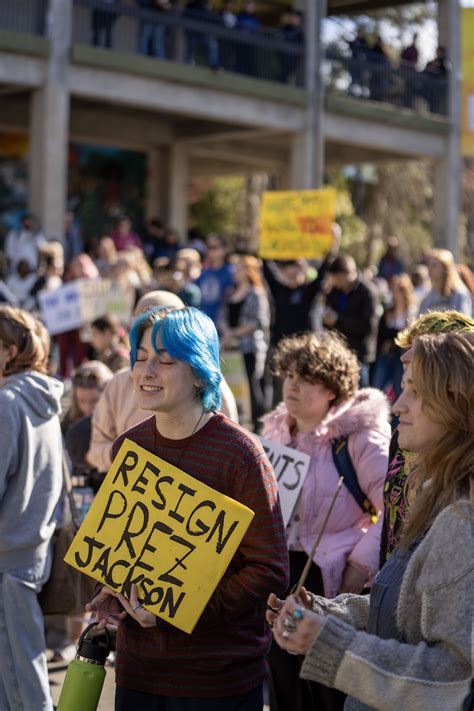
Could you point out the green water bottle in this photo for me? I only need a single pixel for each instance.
(86, 673)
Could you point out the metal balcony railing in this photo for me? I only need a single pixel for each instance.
(420, 91)
(182, 36)
(27, 16)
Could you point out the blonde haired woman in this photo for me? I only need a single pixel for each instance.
(410, 643)
(30, 489)
(447, 289)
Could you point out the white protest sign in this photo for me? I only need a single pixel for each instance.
(80, 302)
(61, 308)
(290, 467)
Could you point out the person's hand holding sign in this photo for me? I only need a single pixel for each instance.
(107, 608)
(135, 609)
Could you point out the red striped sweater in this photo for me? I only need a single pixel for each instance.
(225, 653)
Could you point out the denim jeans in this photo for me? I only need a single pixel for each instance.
(23, 672)
(152, 40)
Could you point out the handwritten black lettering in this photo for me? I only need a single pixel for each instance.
(108, 512)
(185, 491)
(219, 527)
(102, 563)
(171, 603)
(141, 478)
(108, 577)
(201, 527)
(167, 577)
(160, 505)
(296, 467)
(93, 544)
(128, 463)
(128, 532)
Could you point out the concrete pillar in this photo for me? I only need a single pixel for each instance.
(156, 196)
(448, 169)
(49, 126)
(178, 175)
(306, 168)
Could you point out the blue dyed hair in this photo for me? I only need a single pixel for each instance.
(188, 335)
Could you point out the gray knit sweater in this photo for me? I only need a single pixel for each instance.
(432, 668)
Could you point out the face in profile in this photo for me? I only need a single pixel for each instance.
(417, 430)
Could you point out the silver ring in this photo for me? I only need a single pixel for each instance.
(289, 623)
(286, 634)
(137, 607)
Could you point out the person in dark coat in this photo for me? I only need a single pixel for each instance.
(353, 308)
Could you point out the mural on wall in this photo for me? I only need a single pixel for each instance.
(13, 179)
(103, 182)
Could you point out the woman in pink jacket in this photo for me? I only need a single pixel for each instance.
(321, 403)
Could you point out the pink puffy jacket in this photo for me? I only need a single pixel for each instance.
(349, 534)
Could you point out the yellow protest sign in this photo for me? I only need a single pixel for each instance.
(296, 224)
(154, 525)
(467, 133)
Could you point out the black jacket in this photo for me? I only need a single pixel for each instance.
(359, 313)
(291, 307)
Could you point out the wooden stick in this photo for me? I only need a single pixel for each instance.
(307, 567)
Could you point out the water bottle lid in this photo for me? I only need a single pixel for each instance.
(95, 648)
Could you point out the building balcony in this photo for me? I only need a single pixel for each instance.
(180, 47)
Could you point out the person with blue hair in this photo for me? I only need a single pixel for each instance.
(188, 336)
(221, 665)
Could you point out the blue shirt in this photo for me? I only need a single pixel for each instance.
(213, 284)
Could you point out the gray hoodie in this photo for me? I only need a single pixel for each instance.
(30, 467)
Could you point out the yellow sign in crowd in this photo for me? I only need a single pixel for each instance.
(154, 525)
(467, 140)
(296, 224)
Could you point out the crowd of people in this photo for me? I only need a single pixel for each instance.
(253, 304)
(377, 74)
(222, 38)
(325, 348)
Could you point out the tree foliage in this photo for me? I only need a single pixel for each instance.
(219, 207)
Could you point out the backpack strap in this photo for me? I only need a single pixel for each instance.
(346, 469)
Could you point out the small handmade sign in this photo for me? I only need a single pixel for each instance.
(290, 467)
(296, 224)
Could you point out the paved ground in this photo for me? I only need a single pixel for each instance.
(57, 672)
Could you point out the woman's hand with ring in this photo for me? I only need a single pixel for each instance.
(136, 610)
(296, 627)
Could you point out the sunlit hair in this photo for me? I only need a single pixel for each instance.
(111, 324)
(442, 378)
(432, 323)
(19, 328)
(452, 280)
(403, 282)
(319, 358)
(190, 336)
(251, 266)
(157, 298)
(92, 374)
